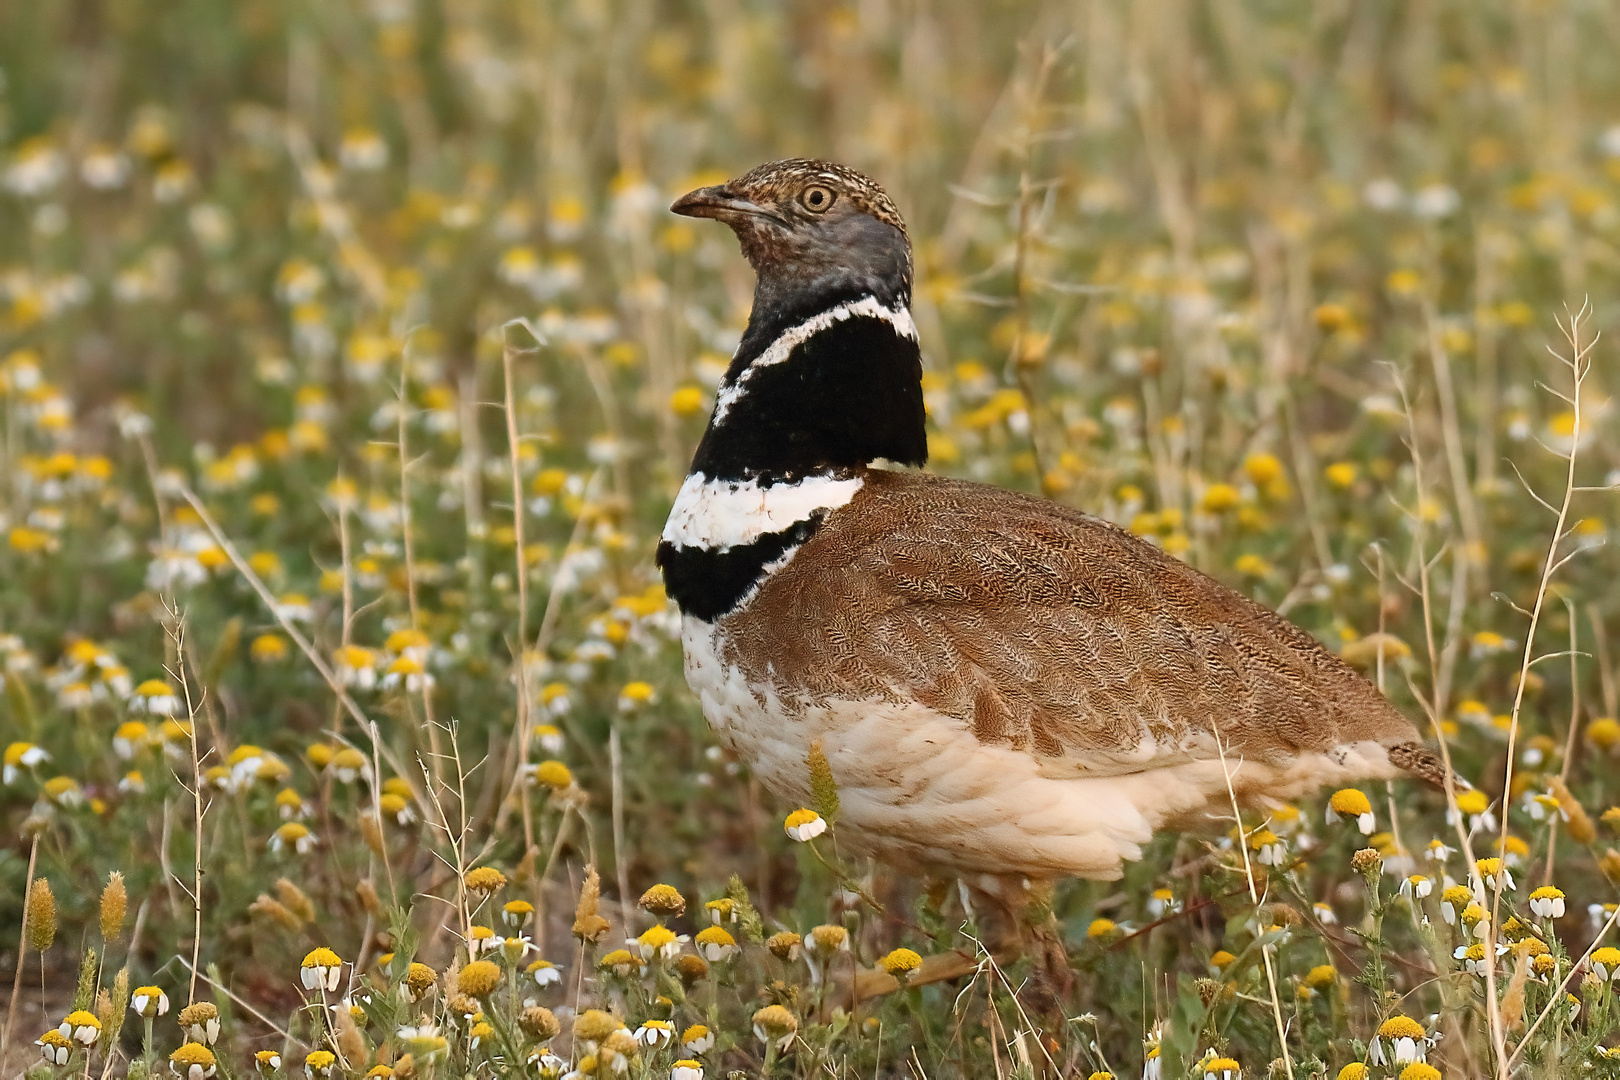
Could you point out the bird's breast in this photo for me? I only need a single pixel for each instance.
(726, 537)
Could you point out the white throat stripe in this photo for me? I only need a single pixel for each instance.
(729, 513)
(780, 349)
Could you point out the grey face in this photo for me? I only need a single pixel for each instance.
(806, 232)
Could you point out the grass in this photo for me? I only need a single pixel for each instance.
(299, 304)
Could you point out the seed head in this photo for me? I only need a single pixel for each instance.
(539, 1023)
(40, 917)
(419, 979)
(823, 788)
(485, 880)
(594, 1025)
(1367, 862)
(774, 1023)
(588, 925)
(114, 902)
(664, 902)
(691, 968)
(785, 946)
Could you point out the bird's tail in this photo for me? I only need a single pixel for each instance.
(1423, 763)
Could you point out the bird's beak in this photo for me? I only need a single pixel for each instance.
(718, 202)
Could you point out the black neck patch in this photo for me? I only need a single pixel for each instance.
(709, 582)
(848, 394)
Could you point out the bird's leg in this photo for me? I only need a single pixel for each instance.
(1018, 920)
(1045, 938)
(1028, 926)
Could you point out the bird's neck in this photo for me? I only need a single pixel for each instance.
(825, 380)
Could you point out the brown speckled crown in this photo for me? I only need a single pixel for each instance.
(779, 180)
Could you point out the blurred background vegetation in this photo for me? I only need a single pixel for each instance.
(1271, 283)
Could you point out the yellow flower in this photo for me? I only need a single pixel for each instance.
(321, 969)
(802, 825)
(478, 979)
(1341, 474)
(1401, 1027)
(419, 979)
(634, 695)
(785, 946)
(715, 944)
(149, 1001)
(1251, 565)
(1262, 469)
(29, 541)
(1420, 1070)
(1604, 733)
(686, 401)
(901, 963)
(57, 1048)
(775, 1023)
(621, 962)
(81, 1026)
(1331, 316)
(1219, 497)
(829, 938)
(200, 1022)
(554, 775)
(268, 648)
(660, 942)
(1103, 931)
(594, 1026)
(485, 880)
(1349, 802)
(194, 1061)
(1404, 282)
(664, 901)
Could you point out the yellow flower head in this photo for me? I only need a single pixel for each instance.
(1420, 1070)
(1103, 931)
(1350, 802)
(664, 901)
(1321, 977)
(485, 880)
(478, 979)
(554, 775)
(901, 962)
(802, 825)
(197, 1054)
(1401, 1027)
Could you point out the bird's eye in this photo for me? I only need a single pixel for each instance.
(817, 199)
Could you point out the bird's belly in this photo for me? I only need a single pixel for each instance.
(916, 787)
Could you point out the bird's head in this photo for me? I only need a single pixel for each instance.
(812, 226)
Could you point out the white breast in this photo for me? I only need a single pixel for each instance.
(729, 513)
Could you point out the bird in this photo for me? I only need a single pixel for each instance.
(1004, 688)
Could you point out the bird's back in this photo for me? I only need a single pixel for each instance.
(1049, 631)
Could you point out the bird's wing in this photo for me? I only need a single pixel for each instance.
(1049, 630)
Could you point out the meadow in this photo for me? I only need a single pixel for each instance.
(349, 361)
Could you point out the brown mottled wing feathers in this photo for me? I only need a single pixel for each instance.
(1047, 630)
